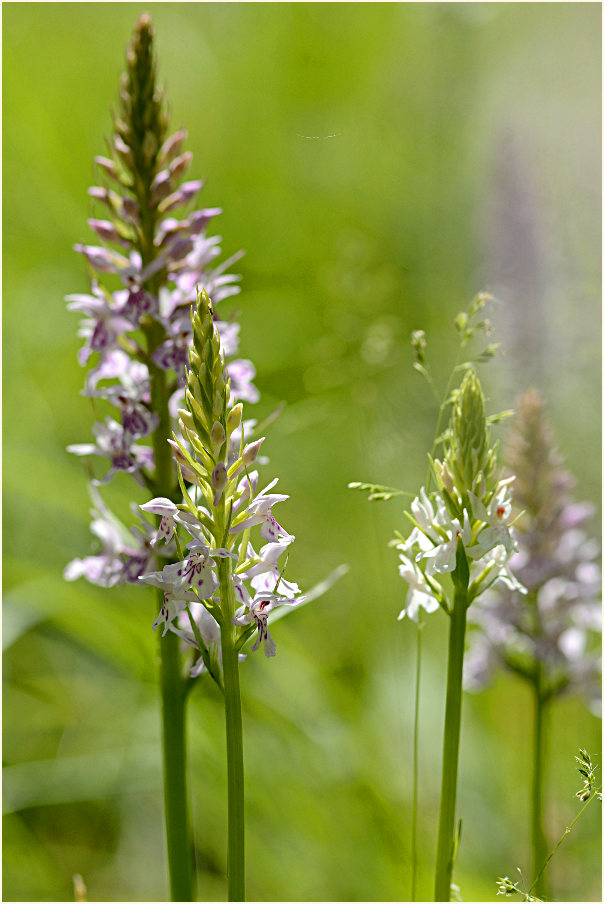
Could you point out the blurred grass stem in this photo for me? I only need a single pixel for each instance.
(418, 671)
(596, 794)
(446, 824)
(538, 839)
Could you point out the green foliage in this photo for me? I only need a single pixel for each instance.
(587, 769)
(588, 792)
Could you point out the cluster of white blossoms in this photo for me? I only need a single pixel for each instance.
(258, 584)
(431, 549)
(469, 506)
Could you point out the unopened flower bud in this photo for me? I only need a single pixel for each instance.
(218, 404)
(105, 230)
(107, 165)
(479, 486)
(444, 475)
(130, 209)
(469, 443)
(123, 151)
(250, 453)
(180, 164)
(99, 194)
(172, 146)
(234, 417)
(217, 435)
(149, 146)
(180, 247)
(179, 458)
(186, 418)
(219, 480)
(195, 361)
(161, 186)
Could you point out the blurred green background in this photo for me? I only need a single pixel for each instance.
(465, 156)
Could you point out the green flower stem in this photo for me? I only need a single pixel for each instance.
(234, 730)
(180, 862)
(418, 671)
(165, 475)
(446, 825)
(538, 839)
(173, 687)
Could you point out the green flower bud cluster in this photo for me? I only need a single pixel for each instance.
(203, 422)
(469, 443)
(469, 459)
(207, 424)
(207, 392)
(142, 122)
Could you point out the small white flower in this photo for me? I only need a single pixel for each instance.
(419, 593)
(427, 519)
(496, 516)
(168, 511)
(257, 611)
(500, 557)
(259, 511)
(265, 574)
(196, 573)
(442, 557)
(171, 607)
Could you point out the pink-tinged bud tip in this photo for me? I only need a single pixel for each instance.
(250, 453)
(217, 435)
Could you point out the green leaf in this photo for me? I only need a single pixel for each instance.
(461, 575)
(316, 591)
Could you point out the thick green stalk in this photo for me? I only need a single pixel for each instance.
(234, 731)
(173, 697)
(446, 824)
(165, 477)
(538, 839)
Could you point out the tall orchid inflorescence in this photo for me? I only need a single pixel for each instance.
(168, 364)
(154, 252)
(549, 636)
(545, 634)
(459, 547)
(461, 531)
(220, 569)
(219, 591)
